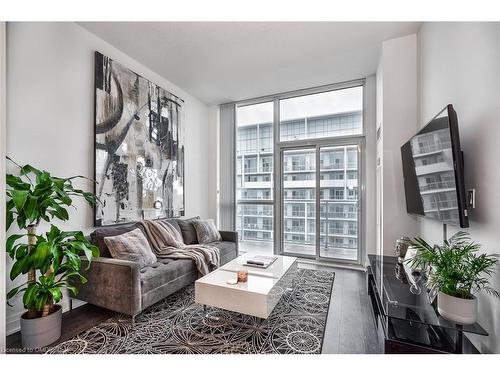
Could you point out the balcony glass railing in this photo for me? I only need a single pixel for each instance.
(341, 232)
(334, 215)
(256, 197)
(424, 149)
(341, 215)
(438, 185)
(451, 203)
(331, 243)
(295, 229)
(257, 226)
(338, 245)
(256, 213)
(332, 166)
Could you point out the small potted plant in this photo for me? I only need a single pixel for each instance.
(458, 273)
(50, 260)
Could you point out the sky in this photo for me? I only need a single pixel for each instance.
(303, 106)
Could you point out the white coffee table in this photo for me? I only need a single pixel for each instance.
(257, 297)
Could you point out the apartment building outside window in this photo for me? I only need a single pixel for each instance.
(432, 155)
(309, 117)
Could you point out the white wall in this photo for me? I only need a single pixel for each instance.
(379, 171)
(397, 117)
(370, 166)
(460, 64)
(50, 108)
(3, 273)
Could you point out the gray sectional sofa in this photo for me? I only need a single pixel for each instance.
(123, 286)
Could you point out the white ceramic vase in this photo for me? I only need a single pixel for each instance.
(459, 310)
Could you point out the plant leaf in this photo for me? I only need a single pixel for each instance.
(72, 289)
(12, 293)
(31, 208)
(18, 267)
(19, 197)
(16, 182)
(9, 220)
(56, 294)
(29, 295)
(9, 245)
(41, 301)
(42, 251)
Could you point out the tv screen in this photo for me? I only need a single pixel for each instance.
(433, 171)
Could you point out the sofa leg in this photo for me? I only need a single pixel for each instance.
(133, 318)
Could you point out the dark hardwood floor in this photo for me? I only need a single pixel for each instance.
(74, 322)
(349, 328)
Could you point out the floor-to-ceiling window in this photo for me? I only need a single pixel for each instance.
(317, 150)
(254, 177)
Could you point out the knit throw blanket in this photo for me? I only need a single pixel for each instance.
(167, 242)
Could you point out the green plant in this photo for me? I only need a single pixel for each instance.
(457, 269)
(32, 197)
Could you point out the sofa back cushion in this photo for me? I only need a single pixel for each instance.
(188, 231)
(172, 222)
(132, 246)
(98, 235)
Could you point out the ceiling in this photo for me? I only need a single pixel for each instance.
(219, 62)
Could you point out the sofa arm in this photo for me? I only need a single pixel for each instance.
(230, 236)
(114, 284)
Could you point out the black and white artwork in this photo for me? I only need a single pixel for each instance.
(139, 147)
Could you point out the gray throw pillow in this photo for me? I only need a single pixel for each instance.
(187, 230)
(98, 235)
(206, 231)
(132, 246)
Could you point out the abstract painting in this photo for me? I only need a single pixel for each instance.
(139, 147)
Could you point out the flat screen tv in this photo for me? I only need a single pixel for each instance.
(433, 171)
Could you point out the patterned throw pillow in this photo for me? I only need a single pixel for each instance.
(132, 246)
(206, 231)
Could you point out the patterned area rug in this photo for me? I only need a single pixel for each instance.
(178, 325)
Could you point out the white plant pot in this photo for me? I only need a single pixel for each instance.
(40, 332)
(459, 310)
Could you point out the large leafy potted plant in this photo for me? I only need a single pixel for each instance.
(49, 260)
(458, 273)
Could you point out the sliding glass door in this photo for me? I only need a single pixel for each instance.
(319, 184)
(339, 203)
(298, 201)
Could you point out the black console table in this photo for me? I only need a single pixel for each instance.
(405, 319)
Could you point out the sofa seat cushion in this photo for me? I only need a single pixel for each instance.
(163, 272)
(227, 250)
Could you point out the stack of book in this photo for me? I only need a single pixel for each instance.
(260, 261)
